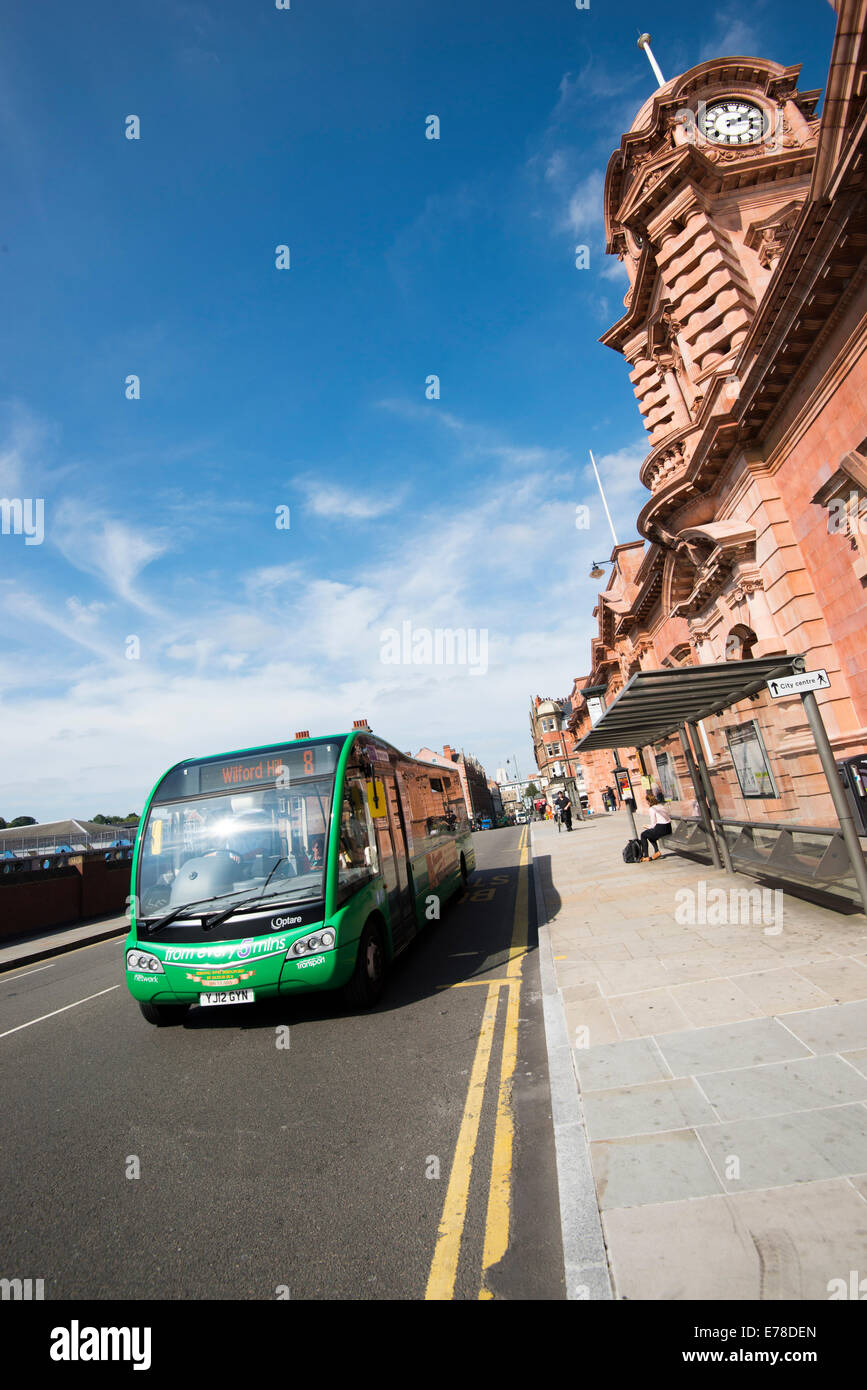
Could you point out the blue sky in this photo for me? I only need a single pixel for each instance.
(305, 388)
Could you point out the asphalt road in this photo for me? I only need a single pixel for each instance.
(306, 1171)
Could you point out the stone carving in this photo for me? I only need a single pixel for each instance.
(744, 587)
(768, 239)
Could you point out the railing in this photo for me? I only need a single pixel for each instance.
(814, 856)
(49, 863)
(55, 844)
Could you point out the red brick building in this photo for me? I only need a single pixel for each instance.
(474, 780)
(741, 219)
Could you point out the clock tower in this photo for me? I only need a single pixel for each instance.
(699, 201)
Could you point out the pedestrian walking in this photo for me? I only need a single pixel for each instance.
(660, 825)
(564, 807)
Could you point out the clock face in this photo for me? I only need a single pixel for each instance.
(732, 122)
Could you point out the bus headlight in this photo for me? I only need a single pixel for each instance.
(307, 945)
(143, 960)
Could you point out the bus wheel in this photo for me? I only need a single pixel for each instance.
(163, 1015)
(368, 978)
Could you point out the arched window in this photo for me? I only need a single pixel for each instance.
(740, 643)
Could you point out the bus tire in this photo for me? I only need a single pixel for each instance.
(163, 1015)
(368, 978)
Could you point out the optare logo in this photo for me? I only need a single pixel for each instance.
(245, 948)
(278, 922)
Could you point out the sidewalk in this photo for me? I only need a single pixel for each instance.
(721, 1057)
(25, 950)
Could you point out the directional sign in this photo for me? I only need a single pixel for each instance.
(795, 685)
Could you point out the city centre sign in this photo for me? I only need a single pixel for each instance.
(796, 685)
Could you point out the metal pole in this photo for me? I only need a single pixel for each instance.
(644, 42)
(618, 763)
(699, 797)
(838, 796)
(604, 503)
(710, 794)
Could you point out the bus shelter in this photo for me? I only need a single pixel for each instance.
(654, 705)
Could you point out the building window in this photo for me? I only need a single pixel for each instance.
(845, 497)
(667, 779)
(740, 643)
(750, 760)
(595, 708)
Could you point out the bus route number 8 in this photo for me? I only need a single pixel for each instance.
(308, 762)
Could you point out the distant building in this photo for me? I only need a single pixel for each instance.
(513, 794)
(554, 743)
(496, 798)
(55, 837)
(474, 780)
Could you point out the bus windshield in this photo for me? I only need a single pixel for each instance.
(208, 851)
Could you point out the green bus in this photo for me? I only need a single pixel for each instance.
(299, 866)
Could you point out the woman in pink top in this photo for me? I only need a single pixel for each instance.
(660, 825)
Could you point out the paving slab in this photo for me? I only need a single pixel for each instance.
(735, 1045)
(784, 1086)
(655, 1106)
(778, 1150)
(620, 1064)
(665, 1167)
(788, 1243)
(837, 1029)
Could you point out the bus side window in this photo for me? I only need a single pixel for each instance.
(357, 859)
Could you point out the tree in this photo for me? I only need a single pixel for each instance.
(22, 820)
(532, 789)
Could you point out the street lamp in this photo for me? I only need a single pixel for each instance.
(597, 571)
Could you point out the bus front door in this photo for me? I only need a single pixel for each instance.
(393, 866)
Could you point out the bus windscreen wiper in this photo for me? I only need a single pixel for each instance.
(184, 907)
(174, 914)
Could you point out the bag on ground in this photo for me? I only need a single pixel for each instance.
(632, 852)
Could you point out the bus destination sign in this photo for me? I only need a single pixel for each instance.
(278, 767)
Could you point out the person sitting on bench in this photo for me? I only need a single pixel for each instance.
(660, 825)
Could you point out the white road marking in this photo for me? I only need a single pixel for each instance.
(42, 1017)
(31, 972)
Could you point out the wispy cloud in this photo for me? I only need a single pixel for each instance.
(731, 37)
(340, 503)
(109, 549)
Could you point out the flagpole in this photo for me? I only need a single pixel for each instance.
(644, 42)
(602, 494)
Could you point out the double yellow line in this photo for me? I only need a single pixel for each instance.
(444, 1268)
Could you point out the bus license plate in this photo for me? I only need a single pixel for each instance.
(227, 996)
